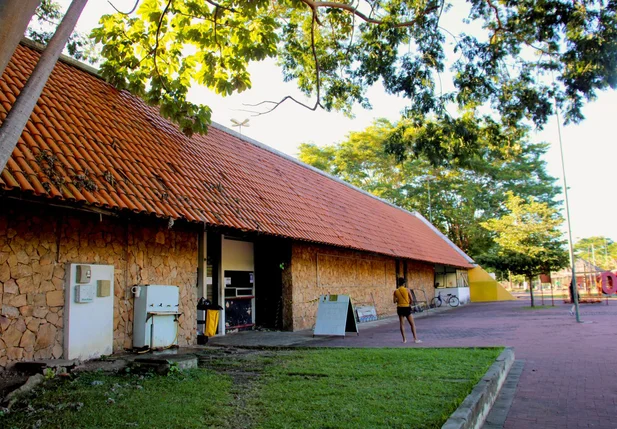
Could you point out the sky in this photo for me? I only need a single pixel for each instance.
(590, 150)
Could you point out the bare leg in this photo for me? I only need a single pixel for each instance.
(402, 322)
(413, 327)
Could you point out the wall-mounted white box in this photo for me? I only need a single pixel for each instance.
(84, 294)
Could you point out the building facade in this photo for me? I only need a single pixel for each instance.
(98, 178)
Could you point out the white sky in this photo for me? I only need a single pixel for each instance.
(590, 151)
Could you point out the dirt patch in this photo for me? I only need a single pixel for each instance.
(244, 367)
(11, 380)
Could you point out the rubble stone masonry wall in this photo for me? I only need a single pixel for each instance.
(37, 242)
(421, 277)
(368, 279)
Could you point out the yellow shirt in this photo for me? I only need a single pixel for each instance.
(402, 297)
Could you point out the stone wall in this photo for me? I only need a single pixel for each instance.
(37, 242)
(367, 278)
(317, 270)
(421, 276)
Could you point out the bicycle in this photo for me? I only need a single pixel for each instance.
(451, 300)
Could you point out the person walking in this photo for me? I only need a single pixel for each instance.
(402, 299)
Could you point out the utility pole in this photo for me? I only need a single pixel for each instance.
(565, 192)
(593, 254)
(430, 214)
(428, 178)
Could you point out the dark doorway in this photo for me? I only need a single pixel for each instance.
(272, 256)
(212, 265)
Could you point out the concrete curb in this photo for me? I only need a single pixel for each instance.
(476, 406)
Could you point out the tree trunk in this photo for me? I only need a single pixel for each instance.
(15, 15)
(19, 114)
(531, 291)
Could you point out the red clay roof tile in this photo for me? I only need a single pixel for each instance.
(140, 162)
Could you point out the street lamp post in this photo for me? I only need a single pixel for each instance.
(430, 213)
(565, 192)
(428, 178)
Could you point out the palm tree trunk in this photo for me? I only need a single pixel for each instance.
(15, 15)
(531, 291)
(19, 114)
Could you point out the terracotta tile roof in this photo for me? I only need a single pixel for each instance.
(89, 143)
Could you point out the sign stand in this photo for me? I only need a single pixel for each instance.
(366, 313)
(335, 316)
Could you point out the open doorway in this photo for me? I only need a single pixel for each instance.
(272, 255)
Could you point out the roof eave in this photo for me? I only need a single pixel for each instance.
(445, 238)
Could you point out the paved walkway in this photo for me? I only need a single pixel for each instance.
(570, 375)
(569, 379)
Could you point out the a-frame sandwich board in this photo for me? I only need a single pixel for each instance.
(335, 316)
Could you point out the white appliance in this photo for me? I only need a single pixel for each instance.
(89, 311)
(155, 322)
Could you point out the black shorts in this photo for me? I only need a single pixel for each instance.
(403, 311)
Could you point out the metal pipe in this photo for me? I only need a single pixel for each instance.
(571, 249)
(430, 214)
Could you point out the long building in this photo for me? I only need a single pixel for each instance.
(102, 197)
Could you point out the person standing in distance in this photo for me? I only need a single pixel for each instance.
(402, 299)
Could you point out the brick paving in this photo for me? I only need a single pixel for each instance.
(569, 379)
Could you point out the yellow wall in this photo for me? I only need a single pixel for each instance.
(482, 287)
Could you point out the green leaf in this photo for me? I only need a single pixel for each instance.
(499, 62)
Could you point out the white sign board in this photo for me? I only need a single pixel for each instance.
(335, 316)
(366, 313)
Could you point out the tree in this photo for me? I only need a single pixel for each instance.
(18, 116)
(335, 50)
(528, 240)
(14, 18)
(600, 251)
(458, 196)
(43, 25)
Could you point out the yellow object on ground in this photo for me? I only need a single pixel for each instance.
(482, 287)
(212, 322)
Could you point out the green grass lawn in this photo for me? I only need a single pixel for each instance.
(303, 388)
